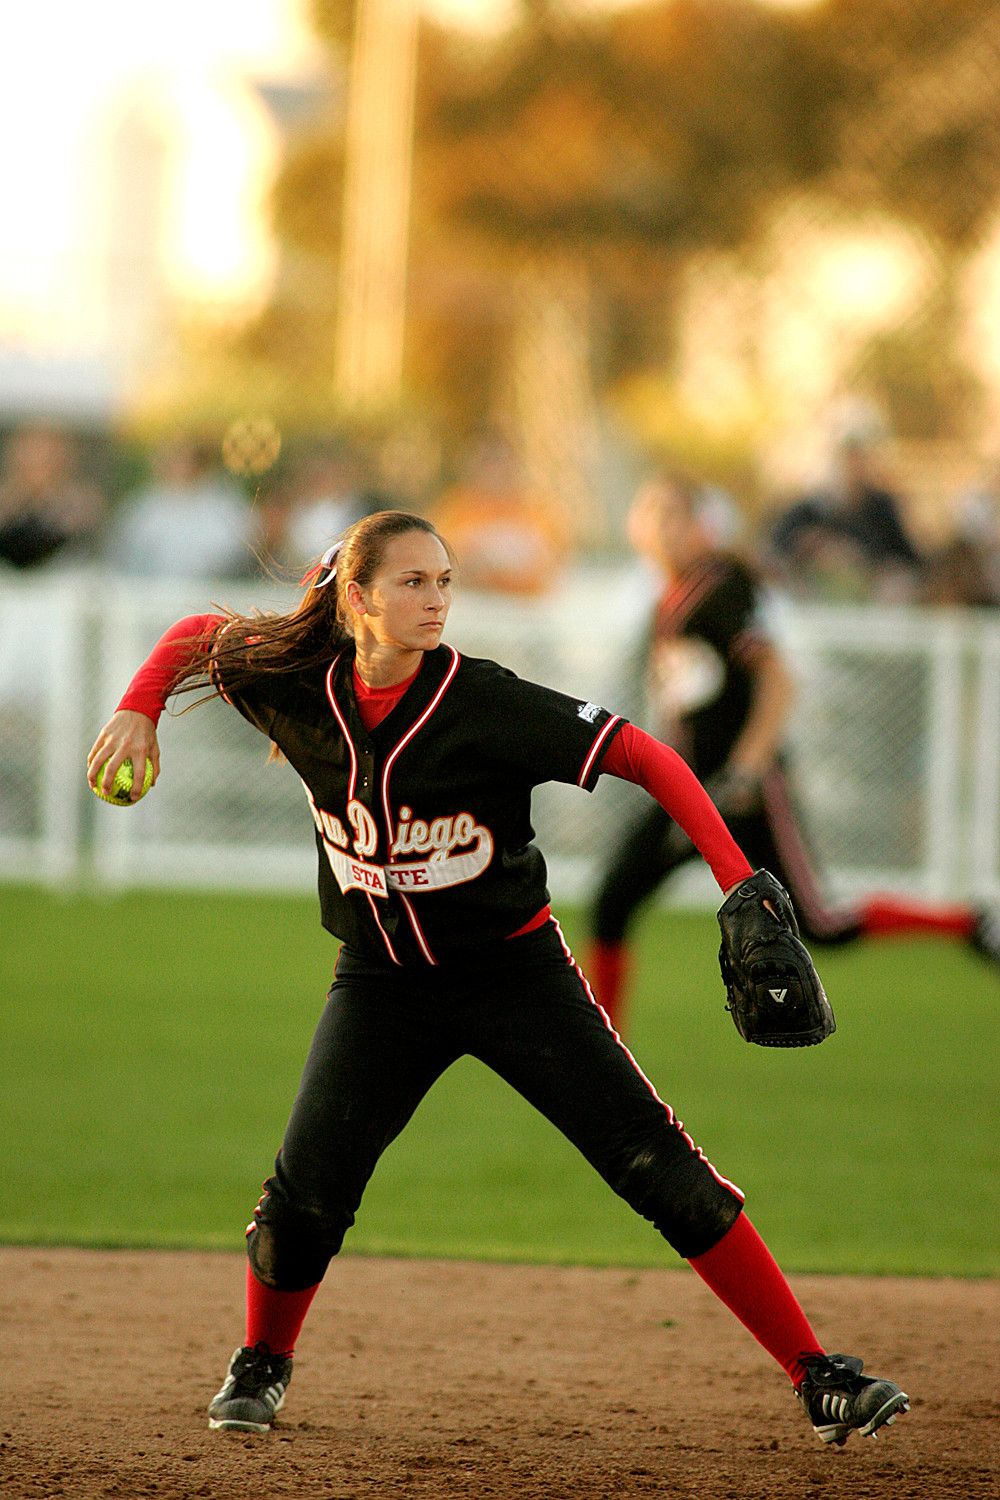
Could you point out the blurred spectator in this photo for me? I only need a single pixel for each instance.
(322, 497)
(846, 541)
(971, 561)
(954, 575)
(46, 509)
(191, 521)
(505, 538)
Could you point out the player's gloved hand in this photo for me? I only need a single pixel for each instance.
(776, 998)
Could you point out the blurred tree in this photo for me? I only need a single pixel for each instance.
(917, 108)
(916, 372)
(608, 146)
(660, 127)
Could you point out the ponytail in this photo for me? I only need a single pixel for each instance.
(250, 648)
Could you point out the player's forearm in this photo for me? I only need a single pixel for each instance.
(636, 756)
(151, 686)
(759, 741)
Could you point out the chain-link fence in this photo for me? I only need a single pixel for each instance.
(896, 762)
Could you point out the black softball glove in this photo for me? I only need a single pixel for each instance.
(776, 998)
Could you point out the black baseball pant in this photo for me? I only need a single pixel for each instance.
(521, 1007)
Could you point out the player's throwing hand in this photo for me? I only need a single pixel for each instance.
(126, 736)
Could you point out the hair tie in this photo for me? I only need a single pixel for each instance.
(320, 575)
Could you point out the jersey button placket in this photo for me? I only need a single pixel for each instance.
(366, 776)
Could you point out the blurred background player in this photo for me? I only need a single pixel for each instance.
(721, 695)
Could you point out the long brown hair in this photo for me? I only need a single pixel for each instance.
(250, 647)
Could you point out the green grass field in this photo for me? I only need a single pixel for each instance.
(152, 1044)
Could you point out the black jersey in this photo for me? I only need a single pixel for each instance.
(423, 824)
(706, 631)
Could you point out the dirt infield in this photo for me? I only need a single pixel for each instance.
(435, 1379)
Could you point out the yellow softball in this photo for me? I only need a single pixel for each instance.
(120, 793)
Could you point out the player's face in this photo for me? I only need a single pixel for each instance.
(407, 602)
(661, 526)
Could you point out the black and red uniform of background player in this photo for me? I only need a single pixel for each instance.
(721, 695)
(418, 766)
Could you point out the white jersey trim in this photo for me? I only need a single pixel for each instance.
(352, 782)
(331, 695)
(213, 669)
(417, 929)
(385, 935)
(595, 748)
(414, 728)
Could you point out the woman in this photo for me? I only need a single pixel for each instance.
(418, 766)
(722, 695)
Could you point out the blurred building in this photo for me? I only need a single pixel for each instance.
(173, 177)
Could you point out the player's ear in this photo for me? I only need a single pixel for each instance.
(355, 597)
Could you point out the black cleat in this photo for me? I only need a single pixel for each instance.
(253, 1390)
(840, 1400)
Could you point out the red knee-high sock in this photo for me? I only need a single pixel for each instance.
(743, 1274)
(885, 916)
(609, 967)
(275, 1318)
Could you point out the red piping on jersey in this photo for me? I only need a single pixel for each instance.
(352, 782)
(596, 747)
(419, 724)
(417, 929)
(213, 670)
(688, 592)
(350, 790)
(387, 769)
(671, 1117)
(385, 935)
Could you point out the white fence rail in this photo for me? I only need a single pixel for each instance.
(895, 745)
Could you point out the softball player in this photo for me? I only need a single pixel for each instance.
(721, 695)
(418, 766)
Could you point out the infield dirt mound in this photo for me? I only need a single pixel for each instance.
(440, 1379)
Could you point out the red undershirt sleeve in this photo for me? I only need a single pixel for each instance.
(635, 756)
(149, 689)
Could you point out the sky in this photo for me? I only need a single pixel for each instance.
(62, 69)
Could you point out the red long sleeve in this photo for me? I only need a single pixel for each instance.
(149, 689)
(636, 756)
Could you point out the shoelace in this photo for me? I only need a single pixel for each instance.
(257, 1367)
(833, 1369)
